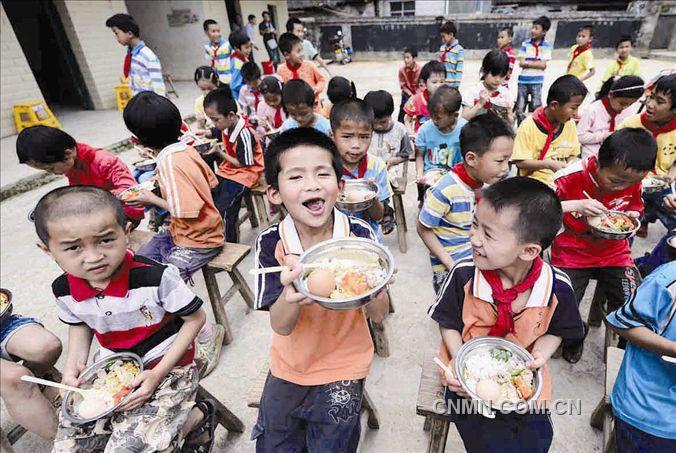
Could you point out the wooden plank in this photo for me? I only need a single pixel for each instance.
(243, 286)
(253, 397)
(216, 305)
(231, 255)
(223, 415)
(380, 341)
(431, 392)
(400, 221)
(373, 420)
(438, 435)
(615, 356)
(251, 209)
(261, 210)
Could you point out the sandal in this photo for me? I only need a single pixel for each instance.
(387, 225)
(192, 444)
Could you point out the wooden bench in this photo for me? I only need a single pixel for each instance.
(398, 206)
(253, 398)
(231, 255)
(431, 404)
(602, 417)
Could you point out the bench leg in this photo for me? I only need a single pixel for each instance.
(391, 303)
(596, 419)
(251, 208)
(438, 435)
(380, 342)
(263, 218)
(217, 303)
(223, 415)
(400, 220)
(239, 280)
(428, 424)
(373, 421)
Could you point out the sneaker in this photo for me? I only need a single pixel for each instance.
(207, 354)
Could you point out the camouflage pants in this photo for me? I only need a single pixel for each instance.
(153, 427)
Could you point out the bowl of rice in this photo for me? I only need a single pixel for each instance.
(493, 365)
(358, 195)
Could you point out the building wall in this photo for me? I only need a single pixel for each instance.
(17, 83)
(97, 52)
(256, 8)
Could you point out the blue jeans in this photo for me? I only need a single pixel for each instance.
(534, 90)
(9, 325)
(228, 199)
(630, 439)
(655, 210)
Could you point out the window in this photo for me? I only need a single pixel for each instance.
(402, 8)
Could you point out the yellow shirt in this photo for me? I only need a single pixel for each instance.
(581, 64)
(629, 67)
(530, 140)
(665, 145)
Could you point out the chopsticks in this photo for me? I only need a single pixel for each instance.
(592, 198)
(272, 270)
(443, 366)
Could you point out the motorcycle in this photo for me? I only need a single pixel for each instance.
(343, 53)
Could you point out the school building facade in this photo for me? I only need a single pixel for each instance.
(61, 51)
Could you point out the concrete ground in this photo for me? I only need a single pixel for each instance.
(392, 383)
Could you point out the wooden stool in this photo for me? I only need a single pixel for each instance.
(602, 417)
(432, 405)
(231, 255)
(170, 82)
(253, 398)
(399, 214)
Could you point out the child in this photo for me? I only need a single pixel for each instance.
(589, 188)
(295, 25)
(339, 89)
(99, 294)
(507, 290)
(298, 100)
(54, 151)
(547, 141)
(581, 59)
(533, 57)
(612, 106)
(207, 80)
(451, 54)
(642, 394)
(249, 94)
(409, 78)
(217, 51)
(141, 65)
(270, 112)
(195, 234)
(438, 141)
(490, 95)
(24, 339)
(241, 45)
(351, 129)
(390, 142)
(505, 36)
(295, 67)
(660, 120)
(446, 216)
(432, 75)
(242, 159)
(624, 64)
(317, 356)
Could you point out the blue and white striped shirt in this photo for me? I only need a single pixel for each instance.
(145, 73)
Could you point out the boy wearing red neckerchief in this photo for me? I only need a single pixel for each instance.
(505, 36)
(588, 189)
(581, 60)
(241, 45)
(351, 130)
(296, 67)
(432, 76)
(506, 290)
(446, 216)
(660, 120)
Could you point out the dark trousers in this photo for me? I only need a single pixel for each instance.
(228, 199)
(404, 98)
(630, 439)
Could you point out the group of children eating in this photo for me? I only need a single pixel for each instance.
(511, 256)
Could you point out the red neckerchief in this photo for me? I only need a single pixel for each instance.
(409, 73)
(294, 70)
(655, 129)
(460, 170)
(127, 63)
(487, 104)
(278, 117)
(213, 60)
(361, 169)
(504, 323)
(239, 55)
(118, 286)
(448, 49)
(611, 112)
(256, 94)
(507, 49)
(540, 118)
(426, 96)
(229, 147)
(536, 45)
(578, 50)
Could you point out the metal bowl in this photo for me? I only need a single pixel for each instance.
(357, 185)
(334, 247)
(204, 147)
(479, 343)
(147, 185)
(432, 177)
(651, 185)
(616, 236)
(145, 165)
(7, 310)
(87, 377)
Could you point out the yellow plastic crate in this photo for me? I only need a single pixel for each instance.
(123, 94)
(32, 114)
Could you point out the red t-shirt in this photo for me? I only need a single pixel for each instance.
(100, 168)
(576, 247)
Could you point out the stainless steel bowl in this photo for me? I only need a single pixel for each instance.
(334, 247)
(71, 399)
(616, 236)
(147, 185)
(358, 184)
(480, 343)
(8, 308)
(145, 165)
(204, 147)
(654, 185)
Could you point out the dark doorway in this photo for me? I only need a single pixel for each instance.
(233, 9)
(38, 28)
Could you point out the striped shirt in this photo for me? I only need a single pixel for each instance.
(219, 58)
(139, 311)
(447, 211)
(512, 58)
(145, 72)
(453, 57)
(531, 52)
